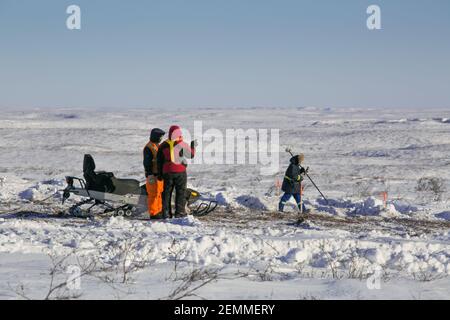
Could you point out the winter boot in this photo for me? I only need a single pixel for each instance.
(180, 215)
(302, 206)
(159, 216)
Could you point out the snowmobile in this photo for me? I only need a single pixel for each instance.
(121, 197)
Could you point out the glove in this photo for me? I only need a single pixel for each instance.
(194, 144)
(151, 179)
(307, 169)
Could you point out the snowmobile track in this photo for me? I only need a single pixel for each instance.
(354, 224)
(246, 219)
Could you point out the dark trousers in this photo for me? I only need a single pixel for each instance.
(286, 197)
(178, 182)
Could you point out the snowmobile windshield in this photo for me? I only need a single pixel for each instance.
(88, 164)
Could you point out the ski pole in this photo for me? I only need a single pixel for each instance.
(306, 173)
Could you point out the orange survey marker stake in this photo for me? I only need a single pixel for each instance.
(385, 196)
(301, 198)
(278, 186)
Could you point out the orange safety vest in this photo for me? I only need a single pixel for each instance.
(154, 149)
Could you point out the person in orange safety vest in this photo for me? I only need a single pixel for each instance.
(154, 186)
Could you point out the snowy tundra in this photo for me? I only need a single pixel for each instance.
(384, 233)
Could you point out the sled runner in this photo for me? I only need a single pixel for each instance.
(121, 197)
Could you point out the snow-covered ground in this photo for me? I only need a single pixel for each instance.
(356, 246)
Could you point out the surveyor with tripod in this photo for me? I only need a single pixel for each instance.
(292, 183)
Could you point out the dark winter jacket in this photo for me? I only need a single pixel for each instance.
(150, 151)
(149, 161)
(293, 177)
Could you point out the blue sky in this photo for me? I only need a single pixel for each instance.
(223, 53)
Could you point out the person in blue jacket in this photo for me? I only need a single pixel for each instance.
(292, 182)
